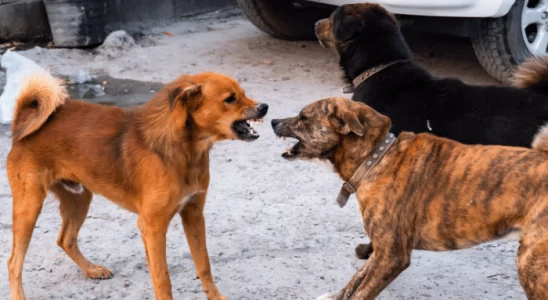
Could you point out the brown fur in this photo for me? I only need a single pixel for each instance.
(431, 193)
(152, 160)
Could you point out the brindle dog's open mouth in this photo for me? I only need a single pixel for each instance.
(293, 151)
(244, 129)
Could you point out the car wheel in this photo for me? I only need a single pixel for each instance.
(284, 19)
(502, 43)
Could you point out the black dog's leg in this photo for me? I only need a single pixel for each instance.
(364, 251)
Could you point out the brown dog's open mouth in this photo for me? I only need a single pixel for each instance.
(244, 129)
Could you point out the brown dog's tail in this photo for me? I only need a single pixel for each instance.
(540, 142)
(39, 97)
(532, 74)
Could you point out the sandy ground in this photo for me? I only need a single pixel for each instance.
(273, 229)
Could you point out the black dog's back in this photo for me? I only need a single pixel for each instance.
(418, 102)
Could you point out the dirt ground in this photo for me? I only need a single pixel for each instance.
(273, 228)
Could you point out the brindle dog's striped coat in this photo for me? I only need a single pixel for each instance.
(430, 193)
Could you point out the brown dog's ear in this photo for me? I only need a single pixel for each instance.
(183, 94)
(347, 121)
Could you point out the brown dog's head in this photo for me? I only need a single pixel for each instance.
(350, 21)
(320, 127)
(217, 105)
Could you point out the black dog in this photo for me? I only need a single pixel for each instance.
(378, 65)
(374, 55)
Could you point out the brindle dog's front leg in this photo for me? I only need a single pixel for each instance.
(383, 266)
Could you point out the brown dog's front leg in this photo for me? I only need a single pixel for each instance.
(194, 225)
(154, 232)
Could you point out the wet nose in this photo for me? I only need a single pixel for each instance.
(262, 108)
(275, 122)
(317, 22)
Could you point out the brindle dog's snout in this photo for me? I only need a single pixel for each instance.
(277, 126)
(275, 122)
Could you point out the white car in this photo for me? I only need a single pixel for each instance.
(503, 32)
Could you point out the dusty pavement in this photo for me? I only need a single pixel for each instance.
(274, 230)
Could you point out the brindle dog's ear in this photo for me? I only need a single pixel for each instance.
(348, 122)
(183, 94)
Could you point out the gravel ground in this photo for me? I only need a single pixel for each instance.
(273, 228)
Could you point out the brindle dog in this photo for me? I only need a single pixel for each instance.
(429, 193)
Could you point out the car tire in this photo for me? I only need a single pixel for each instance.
(499, 43)
(284, 19)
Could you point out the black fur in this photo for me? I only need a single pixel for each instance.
(410, 95)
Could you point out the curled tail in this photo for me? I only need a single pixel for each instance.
(532, 74)
(39, 97)
(540, 142)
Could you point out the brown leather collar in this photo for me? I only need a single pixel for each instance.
(349, 89)
(371, 160)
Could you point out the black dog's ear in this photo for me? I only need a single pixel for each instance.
(384, 15)
(183, 93)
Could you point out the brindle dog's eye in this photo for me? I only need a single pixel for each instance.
(302, 118)
(230, 99)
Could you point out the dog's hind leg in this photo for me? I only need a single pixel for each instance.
(74, 209)
(532, 259)
(28, 198)
(364, 251)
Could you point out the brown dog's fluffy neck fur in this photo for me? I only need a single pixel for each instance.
(353, 149)
(171, 133)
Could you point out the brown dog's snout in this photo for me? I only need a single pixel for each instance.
(262, 109)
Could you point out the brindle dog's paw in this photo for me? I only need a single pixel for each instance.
(326, 296)
(364, 251)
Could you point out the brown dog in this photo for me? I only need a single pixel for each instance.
(427, 192)
(152, 160)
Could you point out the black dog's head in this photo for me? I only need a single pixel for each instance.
(362, 33)
(354, 21)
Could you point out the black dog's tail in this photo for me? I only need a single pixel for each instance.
(532, 74)
(540, 142)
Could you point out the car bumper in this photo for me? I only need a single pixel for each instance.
(437, 8)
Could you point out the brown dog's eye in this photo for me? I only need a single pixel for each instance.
(230, 99)
(302, 118)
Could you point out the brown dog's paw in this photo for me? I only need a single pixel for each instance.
(218, 297)
(98, 272)
(364, 251)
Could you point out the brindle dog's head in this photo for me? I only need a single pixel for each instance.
(349, 22)
(320, 127)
